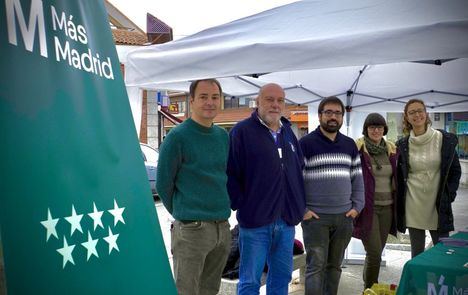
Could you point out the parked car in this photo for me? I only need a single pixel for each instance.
(150, 156)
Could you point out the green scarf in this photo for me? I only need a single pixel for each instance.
(375, 149)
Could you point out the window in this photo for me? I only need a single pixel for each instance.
(238, 102)
(457, 123)
(182, 106)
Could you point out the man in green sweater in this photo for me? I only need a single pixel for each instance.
(191, 182)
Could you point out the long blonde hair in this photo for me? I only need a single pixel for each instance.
(407, 127)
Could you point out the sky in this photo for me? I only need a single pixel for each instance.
(187, 17)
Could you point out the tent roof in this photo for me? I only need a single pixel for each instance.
(337, 37)
(386, 86)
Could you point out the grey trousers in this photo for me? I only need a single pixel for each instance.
(200, 251)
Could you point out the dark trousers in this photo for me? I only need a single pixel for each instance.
(374, 243)
(325, 241)
(418, 239)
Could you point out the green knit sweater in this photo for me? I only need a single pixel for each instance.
(191, 176)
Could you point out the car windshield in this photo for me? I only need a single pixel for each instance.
(150, 154)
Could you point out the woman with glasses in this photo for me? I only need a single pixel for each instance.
(428, 177)
(377, 219)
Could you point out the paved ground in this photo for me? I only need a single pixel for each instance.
(351, 280)
(460, 210)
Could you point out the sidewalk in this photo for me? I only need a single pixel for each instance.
(351, 278)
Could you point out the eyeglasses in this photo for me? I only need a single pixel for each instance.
(379, 128)
(414, 112)
(330, 113)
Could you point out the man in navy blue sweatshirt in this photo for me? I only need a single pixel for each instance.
(266, 188)
(334, 197)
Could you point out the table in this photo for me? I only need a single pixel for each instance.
(435, 272)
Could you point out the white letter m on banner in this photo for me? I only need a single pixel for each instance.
(14, 13)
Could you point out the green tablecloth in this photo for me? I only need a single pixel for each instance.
(436, 272)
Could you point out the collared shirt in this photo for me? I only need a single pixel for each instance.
(272, 132)
(275, 135)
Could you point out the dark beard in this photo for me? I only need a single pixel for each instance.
(330, 128)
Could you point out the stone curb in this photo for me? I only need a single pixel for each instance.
(400, 247)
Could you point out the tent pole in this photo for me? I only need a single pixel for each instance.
(348, 108)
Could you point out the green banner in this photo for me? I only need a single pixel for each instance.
(76, 212)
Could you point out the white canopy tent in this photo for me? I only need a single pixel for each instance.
(319, 48)
(385, 86)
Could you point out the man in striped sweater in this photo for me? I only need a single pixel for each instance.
(334, 197)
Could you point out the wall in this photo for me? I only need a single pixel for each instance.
(313, 117)
(152, 119)
(464, 176)
(440, 124)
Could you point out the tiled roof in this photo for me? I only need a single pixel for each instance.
(233, 115)
(126, 37)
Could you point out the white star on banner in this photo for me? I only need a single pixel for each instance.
(50, 224)
(75, 220)
(117, 212)
(111, 239)
(90, 245)
(66, 252)
(96, 216)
